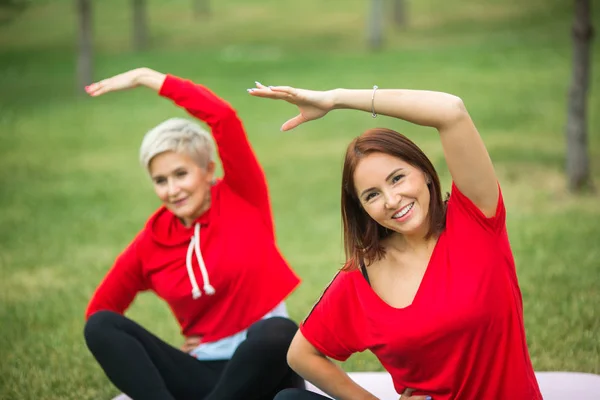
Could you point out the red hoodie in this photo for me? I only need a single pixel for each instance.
(237, 242)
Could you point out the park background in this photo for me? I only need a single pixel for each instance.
(72, 193)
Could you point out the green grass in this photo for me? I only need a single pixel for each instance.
(72, 194)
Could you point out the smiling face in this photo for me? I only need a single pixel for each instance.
(182, 185)
(393, 193)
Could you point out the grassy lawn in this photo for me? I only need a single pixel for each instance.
(72, 194)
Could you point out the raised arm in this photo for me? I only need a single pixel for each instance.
(242, 172)
(467, 158)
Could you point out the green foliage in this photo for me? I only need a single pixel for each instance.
(72, 194)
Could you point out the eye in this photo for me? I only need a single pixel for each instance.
(370, 196)
(160, 181)
(181, 173)
(397, 178)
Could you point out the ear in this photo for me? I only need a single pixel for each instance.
(427, 179)
(210, 171)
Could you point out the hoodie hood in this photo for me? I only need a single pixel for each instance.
(166, 229)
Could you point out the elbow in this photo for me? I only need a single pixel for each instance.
(300, 353)
(89, 311)
(457, 108)
(456, 112)
(303, 357)
(226, 111)
(293, 358)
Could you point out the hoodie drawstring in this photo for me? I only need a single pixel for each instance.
(195, 247)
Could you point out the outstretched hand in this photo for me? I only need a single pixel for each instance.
(124, 81)
(127, 80)
(311, 104)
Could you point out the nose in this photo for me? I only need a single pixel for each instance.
(172, 188)
(392, 200)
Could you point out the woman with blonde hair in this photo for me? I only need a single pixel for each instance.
(209, 251)
(429, 287)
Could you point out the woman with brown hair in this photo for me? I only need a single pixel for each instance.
(429, 286)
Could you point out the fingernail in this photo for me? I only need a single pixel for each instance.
(271, 87)
(258, 83)
(250, 90)
(428, 398)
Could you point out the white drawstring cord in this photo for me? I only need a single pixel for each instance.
(188, 263)
(208, 288)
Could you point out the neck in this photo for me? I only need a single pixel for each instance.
(189, 221)
(403, 243)
(410, 243)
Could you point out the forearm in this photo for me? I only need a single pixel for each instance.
(329, 377)
(150, 78)
(421, 107)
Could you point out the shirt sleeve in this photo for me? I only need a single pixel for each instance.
(120, 285)
(242, 172)
(461, 208)
(332, 326)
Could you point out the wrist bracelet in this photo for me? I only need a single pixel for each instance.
(373, 114)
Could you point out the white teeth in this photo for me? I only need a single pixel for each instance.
(403, 212)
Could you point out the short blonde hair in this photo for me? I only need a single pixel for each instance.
(179, 135)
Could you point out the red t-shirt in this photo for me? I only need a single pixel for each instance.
(463, 335)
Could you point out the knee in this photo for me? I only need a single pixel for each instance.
(98, 325)
(276, 331)
(290, 394)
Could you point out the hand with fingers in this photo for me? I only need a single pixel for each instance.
(191, 342)
(407, 394)
(311, 104)
(127, 80)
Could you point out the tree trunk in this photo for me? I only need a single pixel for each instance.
(85, 56)
(10, 9)
(201, 8)
(140, 25)
(577, 153)
(400, 13)
(375, 25)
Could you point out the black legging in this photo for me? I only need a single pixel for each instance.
(299, 394)
(145, 368)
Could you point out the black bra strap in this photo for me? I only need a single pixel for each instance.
(363, 269)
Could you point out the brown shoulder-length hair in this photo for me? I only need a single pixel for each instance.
(362, 234)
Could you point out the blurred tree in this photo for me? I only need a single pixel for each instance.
(375, 25)
(201, 8)
(140, 24)
(578, 169)
(85, 55)
(9, 9)
(13, 4)
(400, 13)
